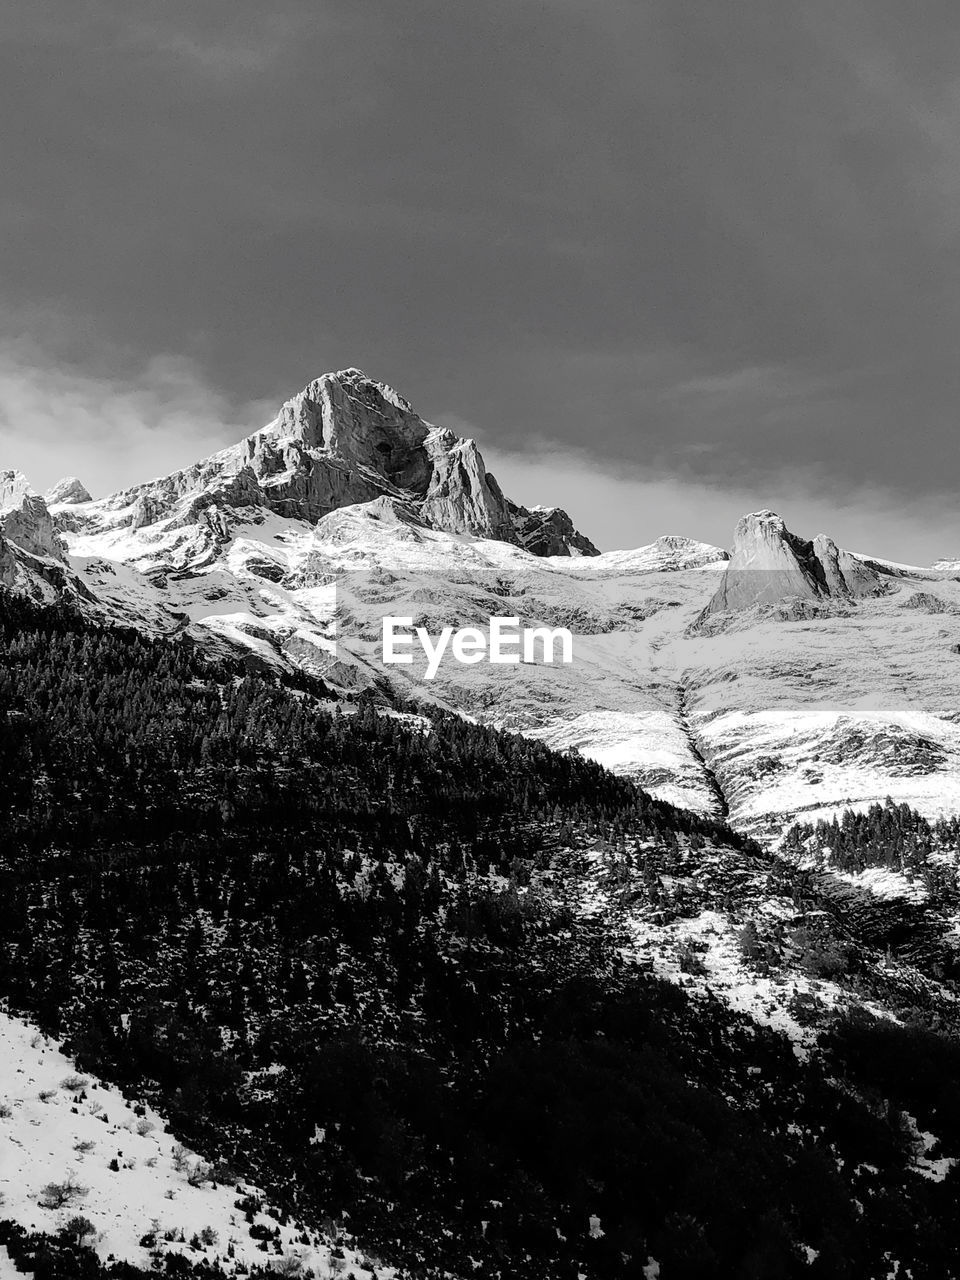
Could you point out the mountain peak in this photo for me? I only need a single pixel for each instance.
(770, 564)
(69, 490)
(14, 487)
(344, 439)
(25, 521)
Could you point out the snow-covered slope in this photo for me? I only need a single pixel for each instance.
(71, 1146)
(795, 679)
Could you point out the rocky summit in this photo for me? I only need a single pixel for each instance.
(29, 541)
(771, 565)
(344, 439)
(67, 491)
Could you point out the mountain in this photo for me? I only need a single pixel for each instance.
(344, 439)
(345, 991)
(28, 539)
(786, 680)
(769, 565)
(642, 965)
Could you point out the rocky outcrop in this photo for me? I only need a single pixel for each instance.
(343, 440)
(770, 565)
(549, 531)
(25, 520)
(844, 574)
(462, 497)
(926, 602)
(67, 492)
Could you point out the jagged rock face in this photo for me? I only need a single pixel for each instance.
(770, 565)
(33, 556)
(343, 440)
(462, 496)
(25, 520)
(67, 491)
(549, 531)
(361, 421)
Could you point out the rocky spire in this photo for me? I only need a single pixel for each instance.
(770, 564)
(25, 520)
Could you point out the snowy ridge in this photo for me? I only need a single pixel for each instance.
(794, 712)
(793, 679)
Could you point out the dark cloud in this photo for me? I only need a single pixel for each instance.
(713, 241)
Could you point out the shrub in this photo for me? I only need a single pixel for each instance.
(199, 1174)
(77, 1228)
(690, 961)
(822, 957)
(288, 1265)
(749, 942)
(57, 1195)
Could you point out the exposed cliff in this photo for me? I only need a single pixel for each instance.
(770, 565)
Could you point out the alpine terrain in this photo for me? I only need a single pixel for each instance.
(642, 965)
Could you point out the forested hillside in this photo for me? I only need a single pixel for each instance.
(890, 835)
(342, 949)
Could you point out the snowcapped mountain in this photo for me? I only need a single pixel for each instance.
(400, 970)
(343, 440)
(790, 678)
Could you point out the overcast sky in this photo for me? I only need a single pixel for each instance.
(667, 259)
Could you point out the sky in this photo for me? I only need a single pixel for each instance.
(667, 260)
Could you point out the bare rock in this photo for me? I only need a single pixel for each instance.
(770, 565)
(549, 531)
(25, 520)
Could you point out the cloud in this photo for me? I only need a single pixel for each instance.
(217, 41)
(247, 44)
(111, 432)
(709, 239)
